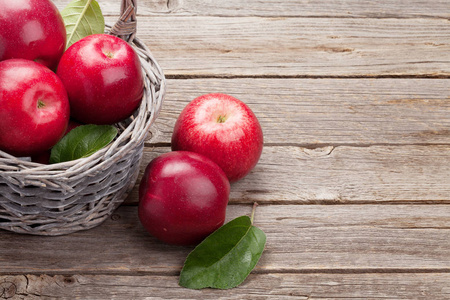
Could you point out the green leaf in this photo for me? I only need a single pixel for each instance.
(82, 141)
(82, 18)
(225, 258)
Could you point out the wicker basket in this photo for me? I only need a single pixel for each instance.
(77, 195)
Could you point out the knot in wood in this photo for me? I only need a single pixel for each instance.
(115, 217)
(69, 280)
(7, 290)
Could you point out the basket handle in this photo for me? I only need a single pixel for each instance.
(125, 27)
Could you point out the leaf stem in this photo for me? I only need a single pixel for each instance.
(255, 204)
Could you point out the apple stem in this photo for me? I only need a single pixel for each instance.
(109, 54)
(253, 212)
(40, 104)
(221, 119)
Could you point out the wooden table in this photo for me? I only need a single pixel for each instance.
(353, 185)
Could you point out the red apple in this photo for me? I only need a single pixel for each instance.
(72, 125)
(182, 197)
(34, 109)
(31, 29)
(44, 157)
(103, 78)
(222, 128)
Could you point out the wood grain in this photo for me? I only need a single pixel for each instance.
(353, 183)
(313, 112)
(340, 175)
(285, 8)
(300, 238)
(271, 47)
(257, 286)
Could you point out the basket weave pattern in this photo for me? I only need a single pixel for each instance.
(76, 195)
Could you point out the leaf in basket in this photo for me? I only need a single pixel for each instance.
(82, 18)
(82, 141)
(225, 258)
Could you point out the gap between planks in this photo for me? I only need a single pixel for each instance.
(320, 145)
(286, 9)
(255, 272)
(309, 76)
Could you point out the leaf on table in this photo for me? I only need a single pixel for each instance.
(82, 18)
(225, 258)
(82, 141)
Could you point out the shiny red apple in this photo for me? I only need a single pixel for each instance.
(34, 109)
(222, 128)
(103, 78)
(183, 197)
(33, 30)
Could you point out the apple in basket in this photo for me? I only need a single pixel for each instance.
(34, 109)
(222, 128)
(33, 30)
(44, 157)
(103, 78)
(182, 197)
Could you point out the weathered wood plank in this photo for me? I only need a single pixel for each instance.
(300, 238)
(253, 46)
(375, 174)
(284, 8)
(257, 286)
(327, 111)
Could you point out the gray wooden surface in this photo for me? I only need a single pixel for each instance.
(354, 180)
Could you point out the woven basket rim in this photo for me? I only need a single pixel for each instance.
(106, 154)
